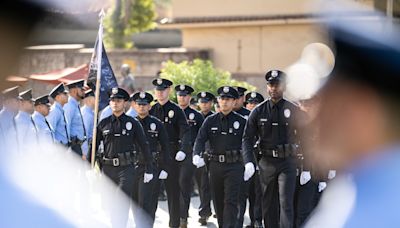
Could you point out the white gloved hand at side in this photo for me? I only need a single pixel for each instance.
(180, 156)
(305, 177)
(163, 175)
(198, 161)
(147, 177)
(331, 174)
(321, 186)
(249, 170)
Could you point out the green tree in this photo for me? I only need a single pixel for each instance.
(201, 75)
(126, 18)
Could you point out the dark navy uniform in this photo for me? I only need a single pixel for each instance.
(120, 135)
(226, 158)
(274, 125)
(195, 120)
(146, 194)
(177, 128)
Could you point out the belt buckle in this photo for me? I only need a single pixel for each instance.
(221, 158)
(274, 153)
(115, 162)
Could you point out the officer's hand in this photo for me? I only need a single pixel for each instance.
(198, 161)
(84, 157)
(147, 177)
(248, 171)
(305, 177)
(331, 174)
(321, 186)
(180, 156)
(163, 175)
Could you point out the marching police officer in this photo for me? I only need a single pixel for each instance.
(45, 133)
(120, 133)
(26, 129)
(205, 103)
(73, 115)
(7, 114)
(195, 120)
(87, 111)
(56, 117)
(240, 102)
(146, 195)
(273, 122)
(177, 128)
(224, 131)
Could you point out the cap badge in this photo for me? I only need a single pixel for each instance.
(114, 91)
(203, 94)
(274, 73)
(182, 87)
(159, 81)
(226, 89)
(142, 95)
(253, 95)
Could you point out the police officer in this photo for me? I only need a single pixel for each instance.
(87, 111)
(45, 133)
(240, 103)
(224, 131)
(56, 117)
(73, 115)
(131, 111)
(273, 122)
(26, 129)
(146, 195)
(195, 120)
(7, 114)
(177, 129)
(253, 99)
(205, 103)
(120, 133)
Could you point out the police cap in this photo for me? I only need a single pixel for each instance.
(228, 91)
(204, 97)
(26, 95)
(57, 90)
(119, 93)
(142, 98)
(183, 90)
(10, 93)
(254, 98)
(275, 76)
(42, 100)
(161, 83)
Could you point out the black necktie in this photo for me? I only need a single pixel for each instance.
(65, 126)
(51, 131)
(83, 124)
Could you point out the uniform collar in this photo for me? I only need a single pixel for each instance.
(221, 115)
(114, 118)
(72, 100)
(39, 115)
(24, 114)
(57, 105)
(278, 105)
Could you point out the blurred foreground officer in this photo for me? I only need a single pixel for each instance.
(364, 88)
(56, 117)
(205, 103)
(273, 122)
(45, 133)
(177, 128)
(88, 119)
(75, 124)
(195, 120)
(120, 133)
(224, 131)
(7, 114)
(240, 103)
(146, 194)
(26, 129)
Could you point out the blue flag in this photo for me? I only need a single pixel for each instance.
(107, 81)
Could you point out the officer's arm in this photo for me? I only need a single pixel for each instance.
(140, 138)
(184, 132)
(201, 139)
(250, 133)
(53, 119)
(165, 149)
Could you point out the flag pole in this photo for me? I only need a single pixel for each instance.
(97, 92)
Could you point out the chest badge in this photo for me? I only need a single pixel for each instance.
(191, 116)
(153, 126)
(287, 113)
(171, 114)
(128, 126)
(236, 125)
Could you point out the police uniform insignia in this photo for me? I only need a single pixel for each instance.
(182, 87)
(236, 125)
(274, 73)
(226, 89)
(191, 116)
(142, 95)
(159, 81)
(203, 94)
(171, 114)
(128, 126)
(253, 95)
(153, 126)
(114, 91)
(287, 113)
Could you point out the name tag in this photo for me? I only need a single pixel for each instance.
(223, 133)
(275, 124)
(263, 120)
(214, 128)
(117, 135)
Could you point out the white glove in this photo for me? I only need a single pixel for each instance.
(163, 175)
(248, 171)
(321, 186)
(305, 177)
(331, 174)
(180, 156)
(198, 161)
(147, 177)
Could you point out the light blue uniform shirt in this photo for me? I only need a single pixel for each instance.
(57, 123)
(88, 118)
(7, 124)
(26, 130)
(131, 112)
(106, 112)
(74, 119)
(45, 132)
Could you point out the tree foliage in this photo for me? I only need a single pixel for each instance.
(201, 75)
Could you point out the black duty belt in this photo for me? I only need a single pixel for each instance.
(229, 156)
(123, 159)
(281, 151)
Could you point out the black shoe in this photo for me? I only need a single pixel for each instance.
(203, 220)
(183, 223)
(258, 224)
(162, 197)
